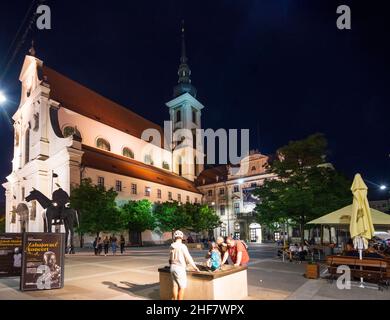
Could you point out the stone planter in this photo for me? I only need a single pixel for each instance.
(228, 284)
(312, 271)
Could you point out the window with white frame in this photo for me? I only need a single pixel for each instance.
(158, 193)
(147, 191)
(100, 182)
(118, 186)
(222, 209)
(133, 188)
(236, 188)
(169, 195)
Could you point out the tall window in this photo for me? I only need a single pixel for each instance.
(196, 200)
(195, 167)
(236, 188)
(103, 144)
(169, 195)
(158, 193)
(147, 191)
(178, 115)
(148, 159)
(100, 181)
(118, 186)
(210, 193)
(27, 147)
(128, 153)
(179, 197)
(193, 115)
(188, 199)
(165, 165)
(221, 191)
(236, 207)
(222, 209)
(133, 188)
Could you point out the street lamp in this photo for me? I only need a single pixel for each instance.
(383, 187)
(3, 98)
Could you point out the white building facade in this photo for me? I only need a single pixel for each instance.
(230, 191)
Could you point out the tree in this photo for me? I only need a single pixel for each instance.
(170, 216)
(97, 207)
(137, 216)
(306, 187)
(201, 217)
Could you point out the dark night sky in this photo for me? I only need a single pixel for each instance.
(279, 67)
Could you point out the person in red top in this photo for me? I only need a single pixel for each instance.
(237, 252)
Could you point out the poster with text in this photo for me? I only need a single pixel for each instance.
(10, 254)
(43, 261)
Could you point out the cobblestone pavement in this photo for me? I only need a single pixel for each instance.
(134, 276)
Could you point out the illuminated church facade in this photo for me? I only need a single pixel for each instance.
(65, 132)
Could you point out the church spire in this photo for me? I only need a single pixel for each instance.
(184, 72)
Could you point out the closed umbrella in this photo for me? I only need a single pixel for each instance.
(361, 227)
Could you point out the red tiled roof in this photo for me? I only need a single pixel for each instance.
(110, 162)
(86, 102)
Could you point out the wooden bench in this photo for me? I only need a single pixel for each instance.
(371, 269)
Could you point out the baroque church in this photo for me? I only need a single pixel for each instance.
(65, 132)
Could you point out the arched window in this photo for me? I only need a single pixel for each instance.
(103, 144)
(128, 153)
(69, 131)
(165, 165)
(253, 168)
(148, 159)
(27, 146)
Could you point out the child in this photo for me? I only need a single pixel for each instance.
(214, 260)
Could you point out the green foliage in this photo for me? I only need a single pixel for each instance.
(305, 189)
(138, 216)
(170, 216)
(201, 217)
(97, 207)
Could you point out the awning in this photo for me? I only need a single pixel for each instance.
(343, 216)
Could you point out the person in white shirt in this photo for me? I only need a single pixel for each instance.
(178, 259)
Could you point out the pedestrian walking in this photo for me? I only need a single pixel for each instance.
(106, 244)
(113, 244)
(122, 243)
(99, 246)
(95, 246)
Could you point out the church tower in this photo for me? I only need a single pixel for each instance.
(185, 115)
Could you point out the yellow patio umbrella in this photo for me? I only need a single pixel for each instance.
(361, 227)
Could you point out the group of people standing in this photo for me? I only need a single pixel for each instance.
(218, 255)
(99, 244)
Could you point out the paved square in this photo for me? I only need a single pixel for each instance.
(134, 275)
